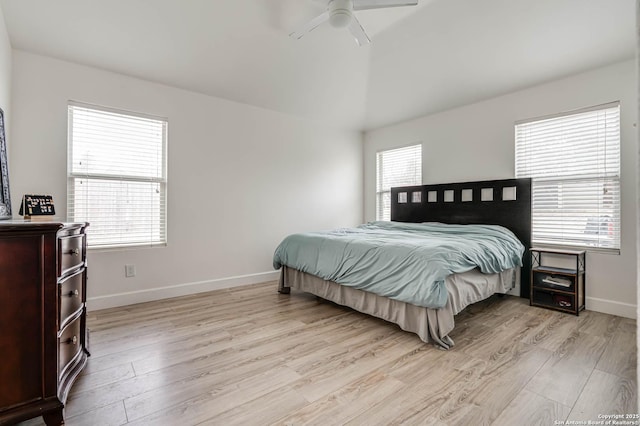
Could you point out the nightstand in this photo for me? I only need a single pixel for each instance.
(562, 289)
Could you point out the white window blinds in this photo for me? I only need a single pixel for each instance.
(574, 162)
(396, 167)
(117, 176)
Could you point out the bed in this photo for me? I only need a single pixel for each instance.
(498, 205)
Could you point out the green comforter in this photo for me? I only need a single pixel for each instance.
(403, 261)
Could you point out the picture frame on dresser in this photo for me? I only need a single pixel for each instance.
(5, 197)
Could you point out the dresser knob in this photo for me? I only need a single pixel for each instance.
(73, 340)
(73, 293)
(75, 251)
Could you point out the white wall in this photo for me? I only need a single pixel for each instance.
(5, 69)
(240, 178)
(5, 81)
(476, 142)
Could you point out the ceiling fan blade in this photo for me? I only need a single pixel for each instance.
(380, 4)
(358, 32)
(310, 26)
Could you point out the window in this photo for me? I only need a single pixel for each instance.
(117, 176)
(574, 162)
(396, 167)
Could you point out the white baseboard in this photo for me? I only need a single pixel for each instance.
(620, 309)
(626, 310)
(148, 295)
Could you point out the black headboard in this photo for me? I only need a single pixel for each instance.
(480, 202)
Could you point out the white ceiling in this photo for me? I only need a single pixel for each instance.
(441, 54)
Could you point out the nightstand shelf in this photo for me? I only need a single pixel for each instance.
(559, 288)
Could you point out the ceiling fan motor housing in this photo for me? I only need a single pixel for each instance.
(340, 13)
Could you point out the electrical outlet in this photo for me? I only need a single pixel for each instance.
(129, 271)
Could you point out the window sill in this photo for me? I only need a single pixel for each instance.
(126, 247)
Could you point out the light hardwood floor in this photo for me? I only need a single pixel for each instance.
(250, 356)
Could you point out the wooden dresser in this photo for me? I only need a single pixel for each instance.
(43, 339)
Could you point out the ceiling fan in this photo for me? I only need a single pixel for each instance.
(339, 13)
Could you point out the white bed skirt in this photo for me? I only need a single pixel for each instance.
(431, 325)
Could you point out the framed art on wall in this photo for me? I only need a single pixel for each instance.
(5, 198)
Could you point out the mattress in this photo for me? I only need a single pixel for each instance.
(402, 261)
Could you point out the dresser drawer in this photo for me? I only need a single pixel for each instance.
(69, 344)
(70, 296)
(71, 253)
